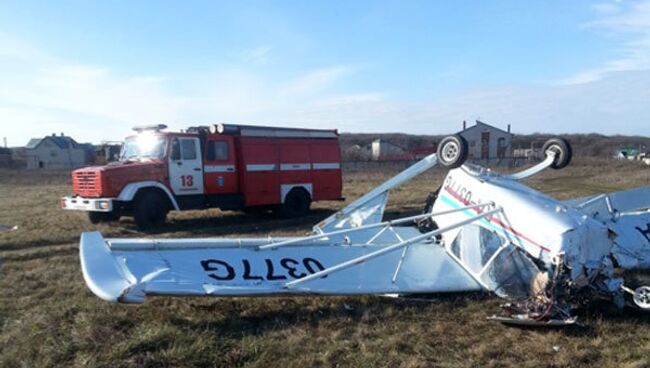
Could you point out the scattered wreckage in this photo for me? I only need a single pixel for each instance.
(480, 231)
(8, 228)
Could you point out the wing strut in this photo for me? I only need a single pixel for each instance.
(359, 260)
(385, 225)
(376, 197)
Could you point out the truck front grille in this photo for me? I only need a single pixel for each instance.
(86, 183)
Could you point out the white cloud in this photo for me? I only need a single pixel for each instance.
(42, 94)
(630, 22)
(606, 8)
(615, 104)
(315, 81)
(258, 55)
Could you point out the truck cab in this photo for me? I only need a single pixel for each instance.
(231, 167)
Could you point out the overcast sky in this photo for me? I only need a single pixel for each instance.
(93, 69)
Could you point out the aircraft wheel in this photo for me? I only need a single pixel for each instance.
(563, 152)
(452, 151)
(642, 297)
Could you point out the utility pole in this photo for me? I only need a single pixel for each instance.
(5, 141)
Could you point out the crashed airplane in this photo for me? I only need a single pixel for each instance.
(481, 231)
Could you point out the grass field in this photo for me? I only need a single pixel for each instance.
(49, 318)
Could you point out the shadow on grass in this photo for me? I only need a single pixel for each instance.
(234, 325)
(236, 223)
(297, 311)
(41, 254)
(345, 310)
(36, 243)
(231, 223)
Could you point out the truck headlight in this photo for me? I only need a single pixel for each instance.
(102, 205)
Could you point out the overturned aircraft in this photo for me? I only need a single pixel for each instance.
(480, 231)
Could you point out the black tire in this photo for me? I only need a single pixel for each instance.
(98, 217)
(563, 152)
(296, 203)
(150, 210)
(452, 151)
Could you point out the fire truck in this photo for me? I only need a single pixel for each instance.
(230, 167)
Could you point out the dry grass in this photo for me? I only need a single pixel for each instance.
(49, 318)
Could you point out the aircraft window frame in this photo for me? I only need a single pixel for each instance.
(487, 254)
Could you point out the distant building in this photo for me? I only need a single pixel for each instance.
(5, 157)
(19, 156)
(528, 153)
(108, 152)
(628, 153)
(422, 152)
(534, 152)
(381, 150)
(58, 152)
(487, 142)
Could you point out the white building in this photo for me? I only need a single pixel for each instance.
(487, 142)
(382, 150)
(57, 152)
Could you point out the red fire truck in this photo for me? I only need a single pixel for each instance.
(231, 167)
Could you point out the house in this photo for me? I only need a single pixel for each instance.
(421, 152)
(108, 152)
(628, 153)
(57, 152)
(382, 150)
(532, 153)
(487, 142)
(5, 157)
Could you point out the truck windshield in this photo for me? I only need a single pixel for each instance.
(143, 146)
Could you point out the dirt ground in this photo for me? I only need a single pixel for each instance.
(48, 317)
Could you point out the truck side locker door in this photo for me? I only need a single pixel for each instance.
(220, 165)
(185, 166)
(326, 170)
(261, 171)
(295, 164)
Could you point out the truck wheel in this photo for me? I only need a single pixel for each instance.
(563, 152)
(97, 217)
(150, 210)
(296, 203)
(452, 151)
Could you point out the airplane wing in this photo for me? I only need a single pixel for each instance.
(129, 270)
(627, 216)
(605, 205)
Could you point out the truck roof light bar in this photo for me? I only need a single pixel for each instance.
(151, 127)
(271, 132)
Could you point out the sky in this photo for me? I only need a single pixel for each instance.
(94, 69)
